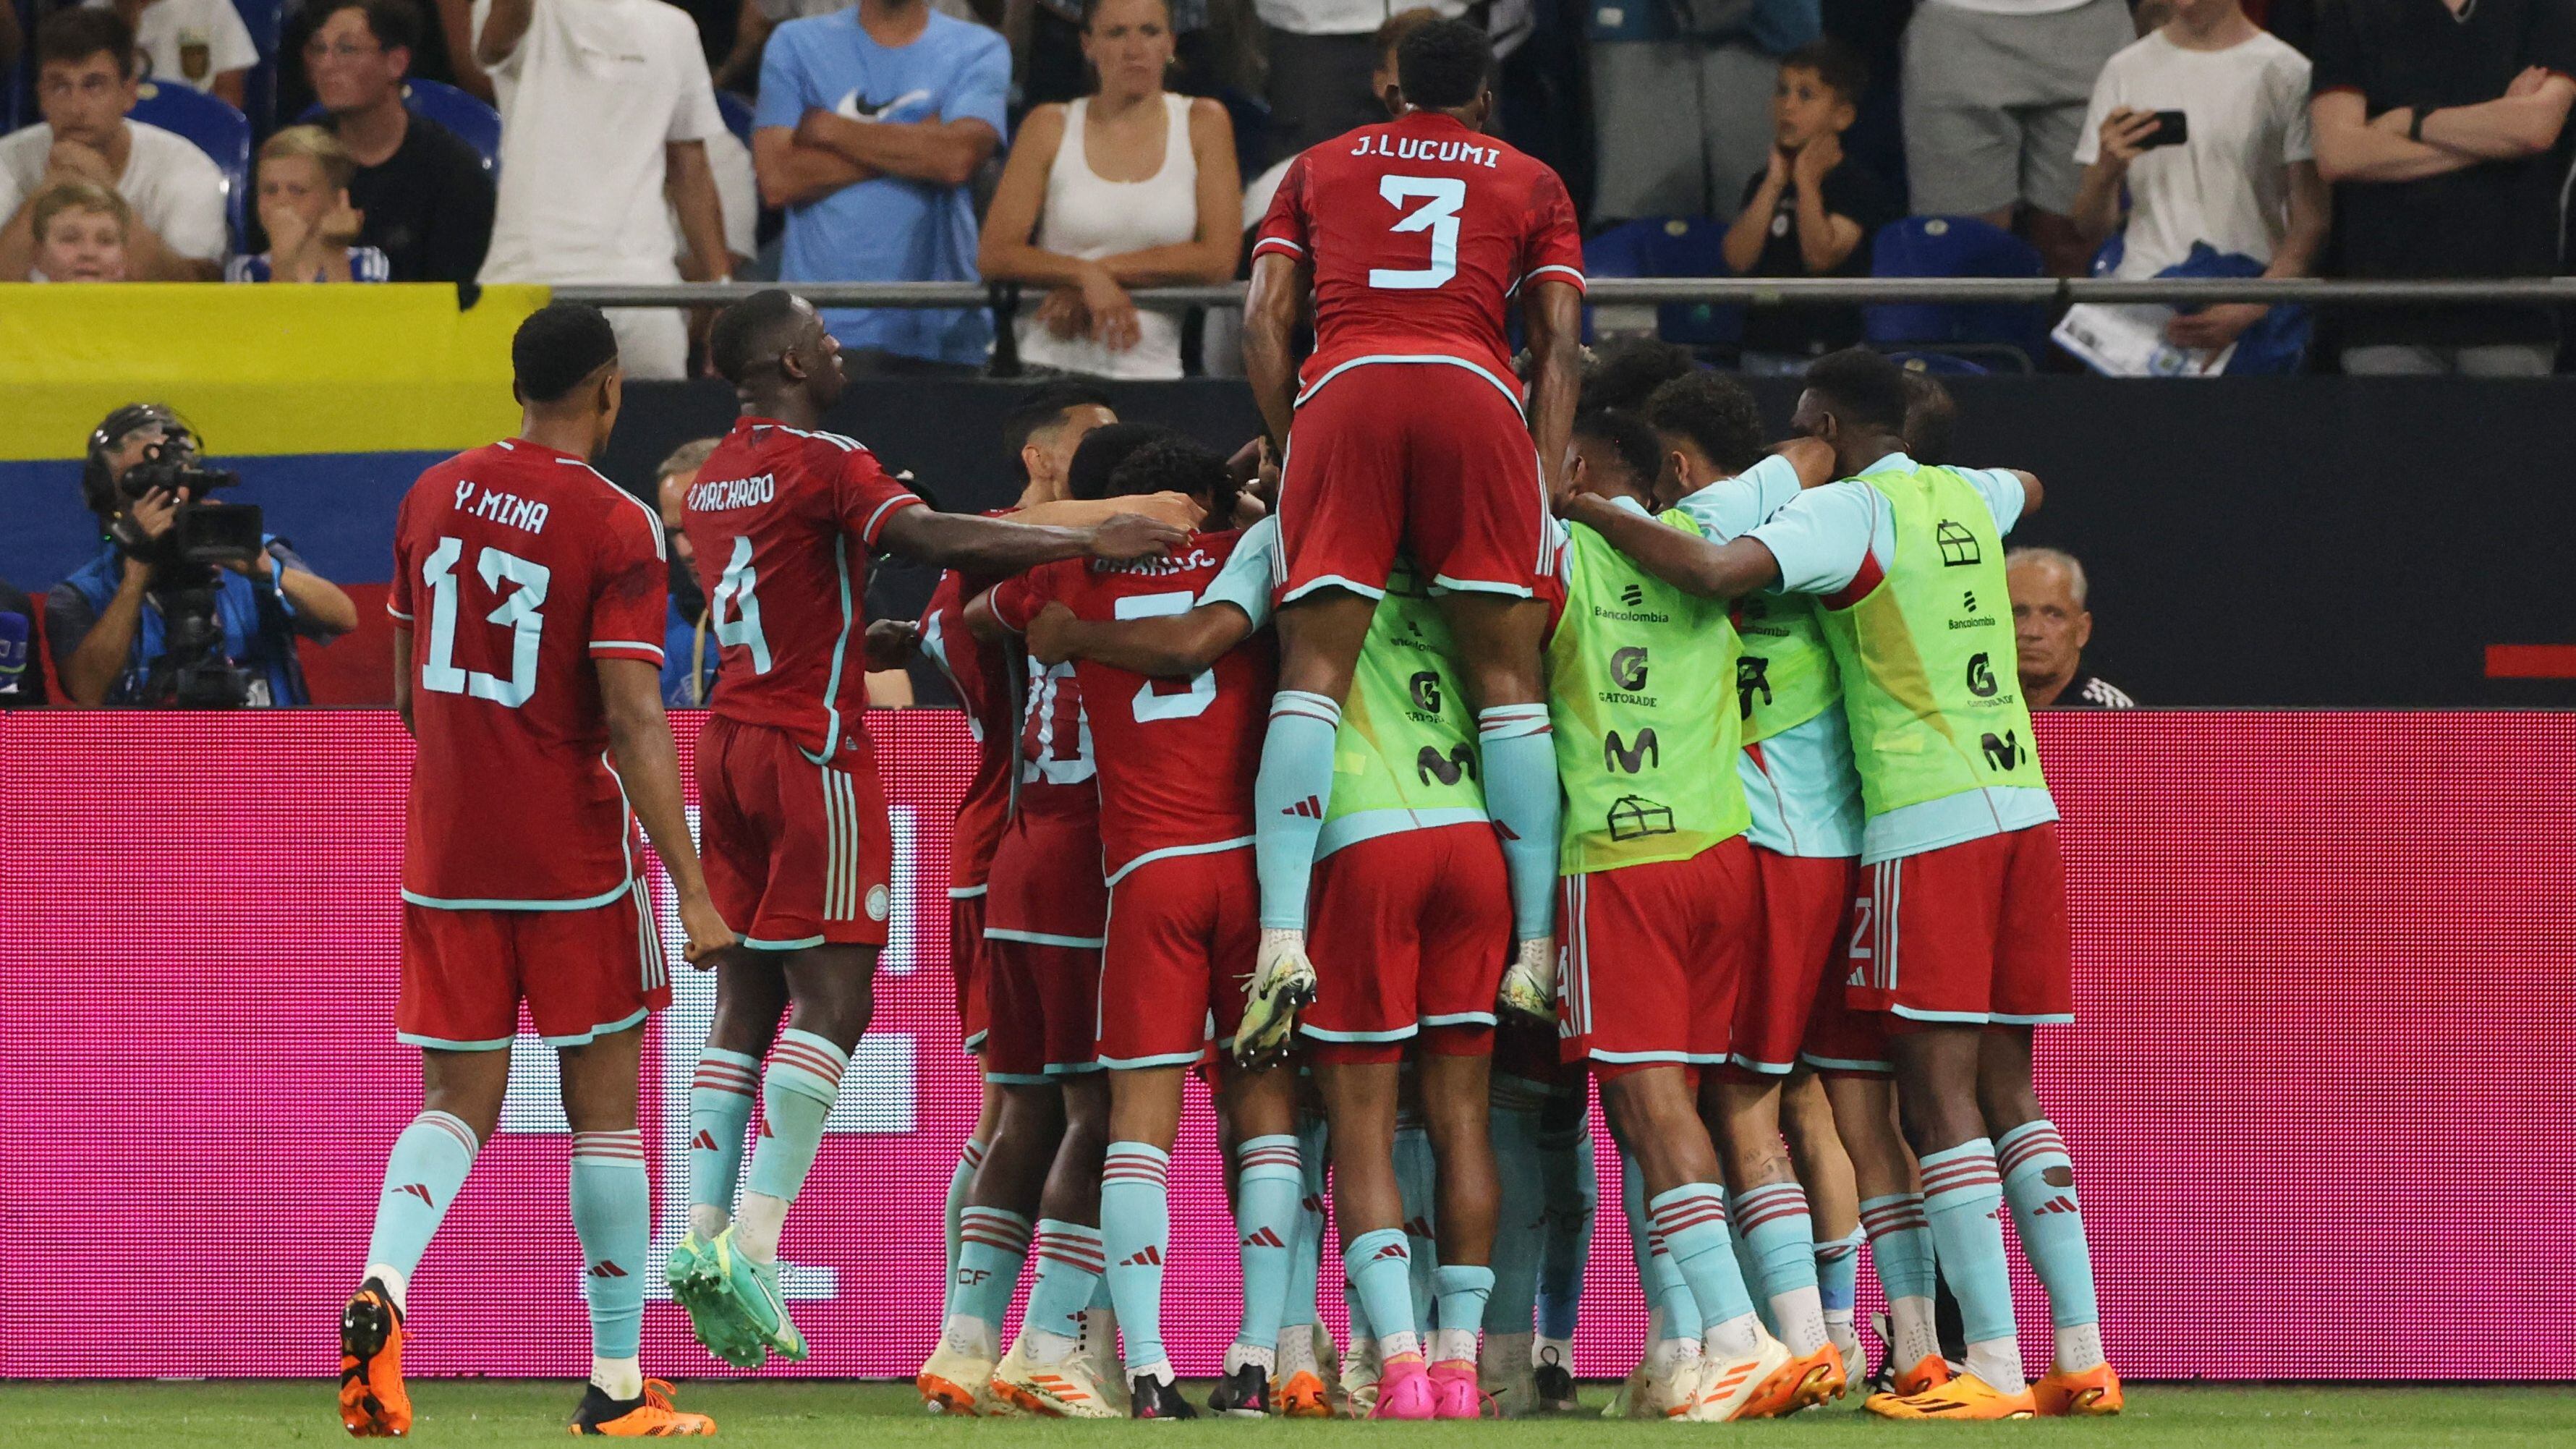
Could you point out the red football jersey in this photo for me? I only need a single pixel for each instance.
(982, 676)
(1420, 232)
(1176, 757)
(515, 567)
(784, 521)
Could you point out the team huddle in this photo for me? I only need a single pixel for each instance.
(1476, 754)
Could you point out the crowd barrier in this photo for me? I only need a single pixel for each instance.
(2321, 971)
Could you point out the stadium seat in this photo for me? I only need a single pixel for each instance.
(735, 110)
(216, 129)
(1955, 246)
(466, 114)
(1670, 246)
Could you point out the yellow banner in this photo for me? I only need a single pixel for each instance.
(261, 369)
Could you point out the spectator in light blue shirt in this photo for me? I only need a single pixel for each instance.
(871, 123)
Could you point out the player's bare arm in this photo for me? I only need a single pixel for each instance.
(1002, 546)
(2031, 492)
(1174, 646)
(1552, 314)
(1684, 560)
(630, 692)
(1279, 287)
(891, 643)
(1812, 457)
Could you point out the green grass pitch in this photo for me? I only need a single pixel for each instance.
(78, 1415)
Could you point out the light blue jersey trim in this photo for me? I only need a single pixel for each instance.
(1963, 1018)
(1406, 1033)
(1333, 581)
(1055, 1070)
(967, 893)
(592, 903)
(1175, 852)
(1359, 825)
(1168, 1059)
(970, 1044)
(805, 944)
(1845, 1064)
(1041, 938)
(1019, 1079)
(1768, 1069)
(1460, 1018)
(440, 1043)
(2053, 1018)
(604, 1029)
(840, 653)
(1669, 1059)
(1442, 583)
(1954, 820)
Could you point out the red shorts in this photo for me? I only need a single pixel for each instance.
(1528, 1051)
(1184, 936)
(1974, 932)
(1806, 905)
(796, 854)
(1428, 458)
(1043, 908)
(967, 966)
(583, 974)
(1410, 931)
(1650, 957)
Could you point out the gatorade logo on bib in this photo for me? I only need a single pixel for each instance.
(1425, 688)
(878, 901)
(1628, 668)
(1981, 677)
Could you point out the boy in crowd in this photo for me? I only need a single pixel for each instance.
(1811, 211)
(80, 230)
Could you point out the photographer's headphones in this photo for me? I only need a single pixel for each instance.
(98, 482)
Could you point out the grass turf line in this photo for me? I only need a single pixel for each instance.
(804, 1414)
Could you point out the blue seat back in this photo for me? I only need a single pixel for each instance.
(214, 128)
(1671, 246)
(1954, 246)
(463, 112)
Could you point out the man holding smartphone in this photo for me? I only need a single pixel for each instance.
(2202, 126)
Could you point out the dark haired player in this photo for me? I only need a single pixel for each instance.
(1960, 936)
(1176, 761)
(798, 845)
(527, 600)
(1413, 236)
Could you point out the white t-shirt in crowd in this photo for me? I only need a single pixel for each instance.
(588, 99)
(2229, 184)
(2014, 7)
(1343, 17)
(190, 41)
(737, 192)
(174, 188)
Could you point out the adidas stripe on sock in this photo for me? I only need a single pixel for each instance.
(1135, 1233)
(2050, 1222)
(423, 1172)
(721, 1097)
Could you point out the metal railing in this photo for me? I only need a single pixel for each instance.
(1744, 291)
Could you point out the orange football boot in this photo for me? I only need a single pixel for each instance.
(1966, 1397)
(651, 1417)
(373, 1404)
(2095, 1391)
(1931, 1373)
(1796, 1384)
(1301, 1396)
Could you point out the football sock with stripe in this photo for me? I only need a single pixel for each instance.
(1269, 1182)
(1692, 1222)
(1777, 1227)
(1668, 1298)
(1306, 1249)
(961, 1181)
(1962, 1198)
(1462, 1289)
(1520, 1207)
(1900, 1251)
(795, 1097)
(422, 1175)
(720, 1101)
(612, 1215)
(1573, 1184)
(2050, 1221)
(1521, 791)
(1379, 1267)
(1838, 1277)
(992, 1247)
(1069, 1267)
(1288, 799)
(1136, 1233)
(1417, 1174)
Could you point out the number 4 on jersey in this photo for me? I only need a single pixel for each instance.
(733, 610)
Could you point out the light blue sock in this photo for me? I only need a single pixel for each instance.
(1900, 1244)
(1269, 1180)
(422, 1175)
(720, 1101)
(1288, 799)
(1379, 1267)
(992, 1248)
(1573, 1184)
(1520, 1217)
(1692, 1220)
(1355, 1309)
(1136, 1232)
(1838, 1274)
(1069, 1268)
(1749, 1268)
(1463, 1290)
(1961, 1192)
(2050, 1220)
(961, 1181)
(612, 1214)
(1659, 1279)
(1781, 1235)
(1306, 1261)
(795, 1097)
(1522, 795)
(1417, 1175)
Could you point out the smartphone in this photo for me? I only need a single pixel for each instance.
(2172, 129)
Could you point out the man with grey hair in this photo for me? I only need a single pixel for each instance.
(2051, 626)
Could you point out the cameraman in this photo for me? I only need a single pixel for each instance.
(109, 624)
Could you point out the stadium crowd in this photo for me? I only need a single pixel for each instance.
(1085, 150)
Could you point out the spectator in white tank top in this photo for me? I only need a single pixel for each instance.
(1128, 187)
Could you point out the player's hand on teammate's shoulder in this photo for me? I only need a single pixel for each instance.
(1812, 457)
(706, 930)
(1134, 535)
(891, 643)
(1050, 634)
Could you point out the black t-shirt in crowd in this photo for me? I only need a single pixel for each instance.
(22, 661)
(1851, 190)
(429, 206)
(2493, 219)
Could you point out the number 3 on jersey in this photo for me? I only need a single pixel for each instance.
(521, 612)
(1150, 703)
(733, 610)
(1441, 198)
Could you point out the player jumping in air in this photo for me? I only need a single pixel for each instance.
(1960, 934)
(528, 602)
(798, 845)
(1413, 237)
(1176, 760)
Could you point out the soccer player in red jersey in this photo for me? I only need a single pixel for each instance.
(528, 601)
(1176, 761)
(799, 846)
(1414, 236)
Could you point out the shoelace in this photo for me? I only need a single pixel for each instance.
(657, 1395)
